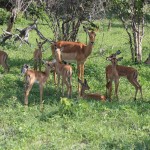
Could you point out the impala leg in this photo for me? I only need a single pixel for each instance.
(82, 73)
(63, 80)
(54, 74)
(58, 84)
(6, 68)
(40, 63)
(135, 85)
(41, 94)
(27, 91)
(70, 87)
(109, 89)
(116, 88)
(139, 87)
(35, 65)
(79, 76)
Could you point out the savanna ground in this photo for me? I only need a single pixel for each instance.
(75, 124)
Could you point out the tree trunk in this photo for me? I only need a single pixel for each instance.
(138, 33)
(11, 20)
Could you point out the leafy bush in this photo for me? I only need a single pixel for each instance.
(3, 16)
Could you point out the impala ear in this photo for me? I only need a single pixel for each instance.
(119, 59)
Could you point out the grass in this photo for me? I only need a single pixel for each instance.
(75, 124)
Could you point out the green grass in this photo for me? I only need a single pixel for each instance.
(75, 124)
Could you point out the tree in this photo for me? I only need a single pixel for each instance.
(132, 16)
(64, 17)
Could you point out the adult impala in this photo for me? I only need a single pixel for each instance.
(76, 51)
(114, 72)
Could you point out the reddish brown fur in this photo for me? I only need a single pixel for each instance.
(114, 72)
(76, 51)
(95, 96)
(65, 71)
(3, 60)
(37, 55)
(32, 76)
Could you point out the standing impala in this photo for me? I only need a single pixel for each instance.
(37, 55)
(114, 72)
(3, 61)
(95, 96)
(64, 71)
(76, 51)
(32, 76)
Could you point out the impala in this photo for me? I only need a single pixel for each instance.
(32, 76)
(37, 55)
(64, 71)
(3, 61)
(95, 96)
(76, 51)
(114, 72)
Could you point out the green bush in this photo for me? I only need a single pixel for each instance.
(3, 16)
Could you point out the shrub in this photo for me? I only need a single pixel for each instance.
(3, 16)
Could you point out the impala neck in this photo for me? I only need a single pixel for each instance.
(47, 71)
(114, 69)
(88, 48)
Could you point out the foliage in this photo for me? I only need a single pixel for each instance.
(3, 16)
(132, 14)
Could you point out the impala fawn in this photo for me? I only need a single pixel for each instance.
(37, 55)
(114, 72)
(65, 71)
(3, 61)
(32, 76)
(95, 96)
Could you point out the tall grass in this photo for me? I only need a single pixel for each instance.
(75, 124)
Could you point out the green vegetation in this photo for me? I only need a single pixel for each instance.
(75, 124)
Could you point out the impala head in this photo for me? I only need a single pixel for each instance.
(84, 85)
(40, 44)
(112, 57)
(91, 34)
(114, 60)
(24, 68)
(49, 64)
